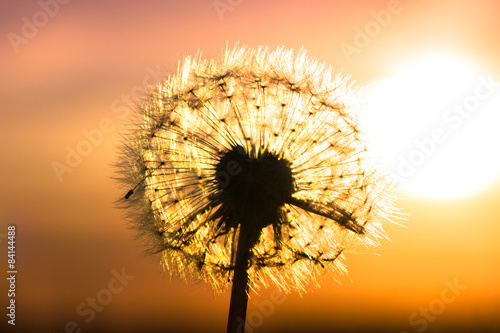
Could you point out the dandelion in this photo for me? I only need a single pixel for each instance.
(251, 168)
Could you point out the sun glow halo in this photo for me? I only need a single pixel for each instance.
(434, 123)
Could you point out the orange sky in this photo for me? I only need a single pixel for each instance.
(72, 74)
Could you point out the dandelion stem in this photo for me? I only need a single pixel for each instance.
(239, 292)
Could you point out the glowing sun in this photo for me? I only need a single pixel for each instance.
(435, 123)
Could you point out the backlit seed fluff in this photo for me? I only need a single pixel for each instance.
(257, 144)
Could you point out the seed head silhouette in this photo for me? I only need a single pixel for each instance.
(251, 168)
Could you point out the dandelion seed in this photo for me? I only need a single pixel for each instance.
(251, 169)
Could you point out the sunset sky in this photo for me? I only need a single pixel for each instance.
(430, 77)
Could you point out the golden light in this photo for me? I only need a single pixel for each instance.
(250, 170)
(434, 122)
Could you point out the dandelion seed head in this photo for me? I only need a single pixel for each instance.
(259, 144)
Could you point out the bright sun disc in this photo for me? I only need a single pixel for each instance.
(434, 124)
